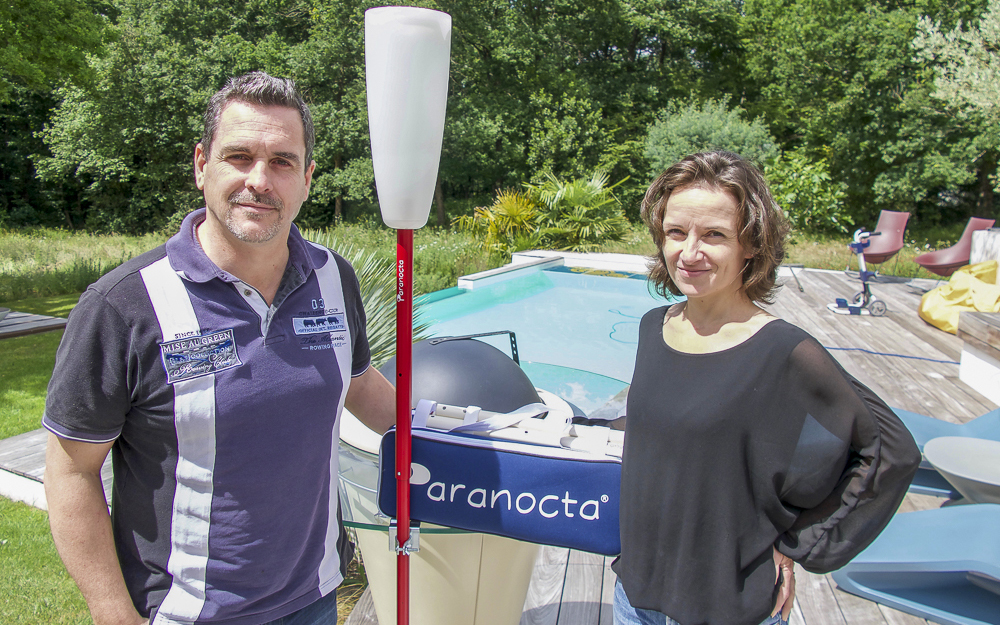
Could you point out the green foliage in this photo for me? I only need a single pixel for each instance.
(578, 215)
(689, 127)
(23, 200)
(129, 137)
(37, 588)
(966, 59)
(840, 76)
(44, 262)
(810, 199)
(509, 225)
(567, 86)
(46, 42)
(966, 65)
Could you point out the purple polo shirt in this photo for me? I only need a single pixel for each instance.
(224, 416)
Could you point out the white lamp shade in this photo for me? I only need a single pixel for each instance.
(407, 53)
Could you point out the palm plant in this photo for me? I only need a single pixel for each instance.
(509, 225)
(580, 214)
(377, 278)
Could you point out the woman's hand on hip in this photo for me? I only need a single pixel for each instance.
(784, 572)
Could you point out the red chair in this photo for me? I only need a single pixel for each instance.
(945, 262)
(887, 239)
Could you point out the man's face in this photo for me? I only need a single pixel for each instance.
(256, 177)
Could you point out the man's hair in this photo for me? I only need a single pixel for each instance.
(264, 90)
(761, 226)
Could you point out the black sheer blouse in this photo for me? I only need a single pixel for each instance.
(767, 443)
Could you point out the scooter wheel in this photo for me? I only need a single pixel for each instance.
(858, 298)
(878, 308)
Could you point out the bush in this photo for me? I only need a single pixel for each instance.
(683, 129)
(508, 225)
(579, 215)
(803, 189)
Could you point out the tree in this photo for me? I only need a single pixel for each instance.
(967, 80)
(329, 67)
(571, 85)
(838, 78)
(966, 59)
(46, 42)
(567, 86)
(129, 136)
(580, 214)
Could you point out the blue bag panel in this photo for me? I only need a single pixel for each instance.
(544, 495)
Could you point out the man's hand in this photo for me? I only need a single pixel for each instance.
(81, 528)
(784, 570)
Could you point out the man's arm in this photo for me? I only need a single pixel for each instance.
(372, 399)
(81, 528)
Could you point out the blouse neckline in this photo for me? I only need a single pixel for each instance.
(739, 345)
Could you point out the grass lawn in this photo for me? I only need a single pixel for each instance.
(26, 366)
(37, 590)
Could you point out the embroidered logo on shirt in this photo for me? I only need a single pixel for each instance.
(196, 356)
(316, 325)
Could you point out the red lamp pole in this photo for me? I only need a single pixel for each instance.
(404, 364)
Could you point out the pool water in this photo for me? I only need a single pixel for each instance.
(576, 332)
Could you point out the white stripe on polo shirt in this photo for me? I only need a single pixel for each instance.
(333, 295)
(194, 421)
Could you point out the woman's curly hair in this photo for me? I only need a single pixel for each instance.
(762, 226)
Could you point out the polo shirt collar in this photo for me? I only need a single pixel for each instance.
(189, 259)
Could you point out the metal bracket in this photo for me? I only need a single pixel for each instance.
(412, 545)
(513, 341)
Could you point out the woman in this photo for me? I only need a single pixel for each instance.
(747, 446)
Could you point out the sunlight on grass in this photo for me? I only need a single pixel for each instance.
(36, 587)
(25, 370)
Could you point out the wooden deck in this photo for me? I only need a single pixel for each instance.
(907, 362)
(21, 324)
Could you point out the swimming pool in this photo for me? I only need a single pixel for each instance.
(577, 328)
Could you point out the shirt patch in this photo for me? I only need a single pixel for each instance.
(316, 325)
(196, 356)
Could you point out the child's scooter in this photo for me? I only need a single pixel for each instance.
(863, 302)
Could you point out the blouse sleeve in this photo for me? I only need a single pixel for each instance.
(880, 464)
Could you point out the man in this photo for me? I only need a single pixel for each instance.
(215, 369)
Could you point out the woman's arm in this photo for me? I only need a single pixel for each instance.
(883, 459)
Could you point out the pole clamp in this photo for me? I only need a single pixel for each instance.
(412, 545)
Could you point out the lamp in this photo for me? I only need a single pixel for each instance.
(407, 52)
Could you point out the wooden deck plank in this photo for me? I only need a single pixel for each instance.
(893, 616)
(541, 606)
(24, 455)
(855, 609)
(21, 324)
(608, 593)
(581, 597)
(796, 617)
(816, 600)
(921, 389)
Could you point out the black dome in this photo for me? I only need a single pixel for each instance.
(466, 372)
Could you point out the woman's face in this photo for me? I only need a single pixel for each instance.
(702, 251)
